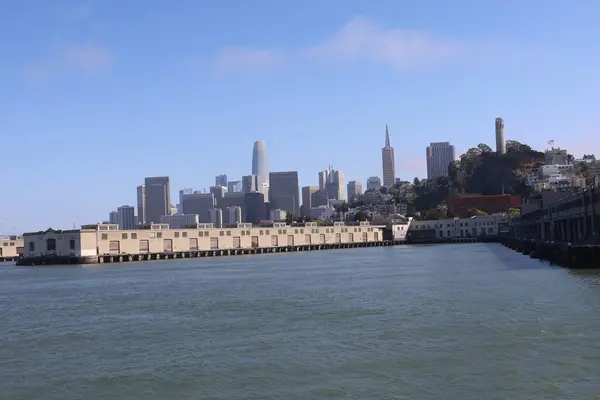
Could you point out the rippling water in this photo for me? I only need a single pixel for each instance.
(468, 321)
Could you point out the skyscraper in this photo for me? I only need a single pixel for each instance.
(141, 204)
(234, 186)
(126, 217)
(323, 178)
(198, 203)
(334, 183)
(373, 183)
(158, 198)
(388, 161)
(221, 180)
(354, 189)
(259, 162)
(284, 191)
(250, 183)
(500, 143)
(307, 192)
(439, 156)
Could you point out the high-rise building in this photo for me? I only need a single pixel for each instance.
(388, 161)
(198, 203)
(284, 191)
(126, 217)
(259, 162)
(219, 193)
(307, 192)
(320, 198)
(158, 198)
(264, 189)
(141, 204)
(234, 186)
(113, 217)
(334, 183)
(250, 183)
(373, 183)
(500, 143)
(323, 179)
(439, 157)
(256, 208)
(235, 214)
(354, 189)
(233, 200)
(216, 217)
(221, 180)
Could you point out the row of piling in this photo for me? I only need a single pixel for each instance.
(560, 253)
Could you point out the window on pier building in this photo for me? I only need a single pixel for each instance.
(134, 235)
(222, 233)
(72, 244)
(31, 246)
(51, 244)
(184, 234)
(104, 236)
(123, 236)
(229, 233)
(159, 235)
(176, 234)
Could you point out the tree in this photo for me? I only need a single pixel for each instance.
(513, 212)
(434, 214)
(361, 216)
(484, 148)
(512, 146)
(416, 182)
(383, 190)
(475, 212)
(289, 218)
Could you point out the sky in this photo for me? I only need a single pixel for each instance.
(96, 95)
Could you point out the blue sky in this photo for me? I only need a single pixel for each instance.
(97, 95)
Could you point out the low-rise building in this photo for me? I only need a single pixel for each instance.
(456, 228)
(178, 221)
(85, 245)
(11, 247)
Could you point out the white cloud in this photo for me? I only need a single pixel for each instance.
(362, 39)
(359, 39)
(87, 57)
(81, 58)
(238, 57)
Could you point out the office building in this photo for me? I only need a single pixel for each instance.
(320, 198)
(126, 217)
(180, 221)
(500, 143)
(388, 161)
(235, 214)
(216, 217)
(158, 198)
(264, 189)
(323, 179)
(259, 162)
(233, 200)
(198, 203)
(141, 204)
(219, 193)
(221, 180)
(234, 186)
(284, 192)
(113, 217)
(439, 157)
(255, 207)
(307, 192)
(373, 183)
(354, 189)
(250, 183)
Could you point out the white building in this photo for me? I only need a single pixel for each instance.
(180, 221)
(278, 215)
(556, 170)
(439, 157)
(488, 225)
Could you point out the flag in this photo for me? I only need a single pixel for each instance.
(550, 142)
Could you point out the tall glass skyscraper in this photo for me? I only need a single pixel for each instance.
(259, 162)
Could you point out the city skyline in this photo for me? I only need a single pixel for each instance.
(433, 71)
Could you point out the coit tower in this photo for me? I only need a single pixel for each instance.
(500, 143)
(259, 162)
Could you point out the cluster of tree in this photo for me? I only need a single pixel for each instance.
(488, 173)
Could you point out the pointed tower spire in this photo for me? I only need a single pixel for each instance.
(387, 137)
